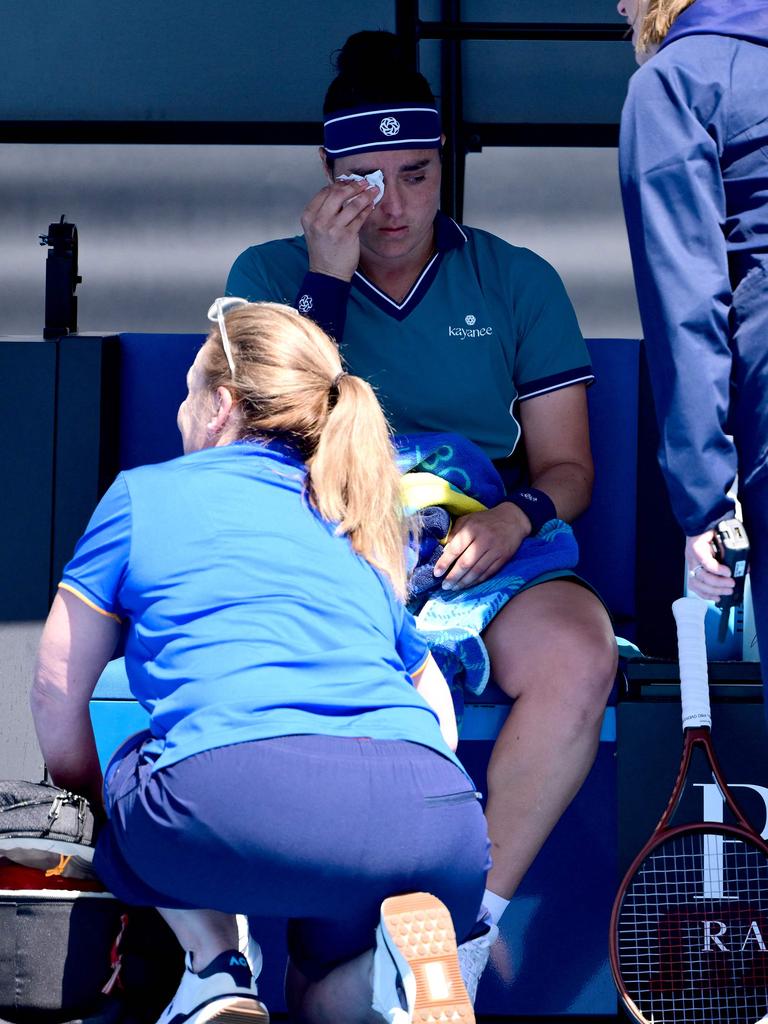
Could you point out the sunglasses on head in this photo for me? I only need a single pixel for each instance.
(216, 314)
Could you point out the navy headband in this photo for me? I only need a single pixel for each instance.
(367, 129)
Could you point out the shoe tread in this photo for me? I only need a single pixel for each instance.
(422, 929)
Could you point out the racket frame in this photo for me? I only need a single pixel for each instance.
(693, 738)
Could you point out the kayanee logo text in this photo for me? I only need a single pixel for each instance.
(470, 331)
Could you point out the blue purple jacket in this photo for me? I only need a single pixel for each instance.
(694, 174)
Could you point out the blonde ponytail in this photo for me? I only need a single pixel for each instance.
(353, 478)
(288, 382)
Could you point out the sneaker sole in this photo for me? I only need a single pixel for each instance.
(418, 927)
(232, 1011)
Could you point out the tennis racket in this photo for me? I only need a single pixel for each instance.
(689, 928)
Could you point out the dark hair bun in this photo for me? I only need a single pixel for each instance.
(367, 55)
(373, 67)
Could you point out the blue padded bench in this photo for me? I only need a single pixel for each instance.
(571, 885)
(152, 385)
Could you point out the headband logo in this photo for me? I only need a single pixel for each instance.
(389, 126)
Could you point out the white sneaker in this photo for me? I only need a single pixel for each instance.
(473, 958)
(416, 972)
(224, 993)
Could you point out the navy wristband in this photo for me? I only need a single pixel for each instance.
(324, 299)
(537, 505)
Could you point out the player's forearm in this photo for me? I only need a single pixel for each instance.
(569, 486)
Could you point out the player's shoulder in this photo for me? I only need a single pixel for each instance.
(518, 266)
(486, 243)
(271, 270)
(281, 250)
(478, 238)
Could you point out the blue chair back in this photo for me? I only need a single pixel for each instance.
(153, 371)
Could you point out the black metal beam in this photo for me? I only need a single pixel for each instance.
(601, 136)
(407, 28)
(544, 31)
(257, 133)
(271, 133)
(452, 104)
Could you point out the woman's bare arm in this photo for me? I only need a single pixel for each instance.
(76, 645)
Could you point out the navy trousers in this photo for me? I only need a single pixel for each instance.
(317, 829)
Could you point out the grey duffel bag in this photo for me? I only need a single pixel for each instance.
(42, 826)
(61, 935)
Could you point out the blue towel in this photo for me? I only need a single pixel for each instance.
(463, 465)
(452, 620)
(453, 458)
(435, 524)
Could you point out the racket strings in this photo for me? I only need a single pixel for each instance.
(693, 932)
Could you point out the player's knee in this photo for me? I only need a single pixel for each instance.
(599, 662)
(586, 662)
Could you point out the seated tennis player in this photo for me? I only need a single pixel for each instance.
(461, 332)
(299, 761)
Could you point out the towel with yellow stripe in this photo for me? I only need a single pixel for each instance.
(445, 477)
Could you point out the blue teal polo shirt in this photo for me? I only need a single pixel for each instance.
(247, 616)
(486, 326)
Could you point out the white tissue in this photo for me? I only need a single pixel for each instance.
(374, 178)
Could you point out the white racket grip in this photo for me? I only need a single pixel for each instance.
(689, 615)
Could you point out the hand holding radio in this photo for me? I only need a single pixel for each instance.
(730, 547)
(717, 562)
(707, 577)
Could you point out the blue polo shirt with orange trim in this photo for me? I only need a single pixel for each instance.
(248, 617)
(486, 326)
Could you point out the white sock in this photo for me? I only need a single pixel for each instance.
(496, 905)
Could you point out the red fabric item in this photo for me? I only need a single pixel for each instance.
(16, 876)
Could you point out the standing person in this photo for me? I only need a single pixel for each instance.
(694, 176)
(460, 332)
(291, 768)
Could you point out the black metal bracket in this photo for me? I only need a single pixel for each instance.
(461, 138)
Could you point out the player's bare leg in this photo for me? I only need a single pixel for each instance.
(217, 983)
(553, 649)
(343, 995)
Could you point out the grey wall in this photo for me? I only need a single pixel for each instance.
(160, 226)
(20, 756)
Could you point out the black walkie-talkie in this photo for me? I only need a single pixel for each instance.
(730, 547)
(61, 280)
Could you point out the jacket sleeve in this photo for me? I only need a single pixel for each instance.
(674, 204)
